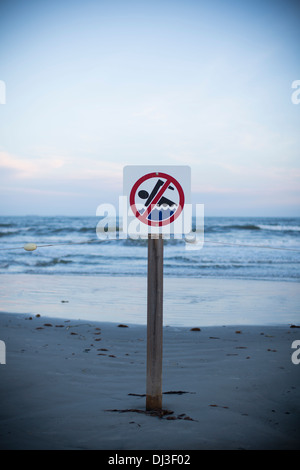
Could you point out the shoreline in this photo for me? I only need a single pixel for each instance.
(205, 302)
(63, 377)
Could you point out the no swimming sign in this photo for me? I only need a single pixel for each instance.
(156, 205)
(157, 200)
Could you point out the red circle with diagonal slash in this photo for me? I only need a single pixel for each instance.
(143, 217)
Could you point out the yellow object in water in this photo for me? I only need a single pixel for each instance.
(30, 247)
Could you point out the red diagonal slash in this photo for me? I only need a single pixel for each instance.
(154, 201)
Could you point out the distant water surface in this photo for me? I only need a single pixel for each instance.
(129, 257)
(224, 283)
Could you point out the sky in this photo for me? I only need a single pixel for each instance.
(88, 87)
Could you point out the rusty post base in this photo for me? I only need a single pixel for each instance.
(153, 402)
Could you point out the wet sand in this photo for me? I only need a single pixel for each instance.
(187, 301)
(77, 384)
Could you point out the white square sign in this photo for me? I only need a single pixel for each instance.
(157, 200)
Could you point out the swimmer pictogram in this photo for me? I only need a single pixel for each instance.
(157, 199)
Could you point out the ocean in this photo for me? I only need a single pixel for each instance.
(225, 254)
(247, 272)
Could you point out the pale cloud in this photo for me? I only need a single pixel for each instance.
(214, 175)
(25, 168)
(210, 189)
(260, 171)
(17, 166)
(63, 168)
(271, 178)
(94, 169)
(38, 191)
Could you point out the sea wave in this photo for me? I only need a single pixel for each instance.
(243, 227)
(8, 233)
(281, 228)
(274, 227)
(52, 262)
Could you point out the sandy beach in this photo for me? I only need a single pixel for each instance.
(71, 384)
